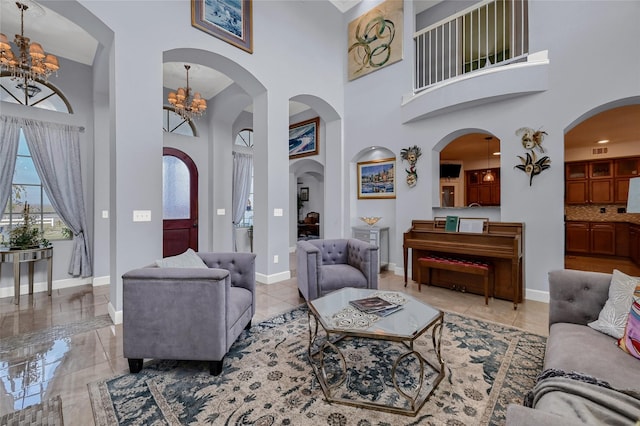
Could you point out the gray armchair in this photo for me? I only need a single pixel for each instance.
(188, 313)
(327, 265)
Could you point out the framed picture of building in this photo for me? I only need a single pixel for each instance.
(377, 179)
(229, 20)
(303, 138)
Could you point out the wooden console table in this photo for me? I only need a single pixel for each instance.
(29, 256)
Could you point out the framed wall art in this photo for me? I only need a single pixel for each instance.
(304, 193)
(375, 39)
(377, 179)
(303, 138)
(229, 20)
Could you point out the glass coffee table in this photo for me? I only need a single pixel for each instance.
(415, 372)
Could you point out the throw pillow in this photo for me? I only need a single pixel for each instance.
(630, 341)
(613, 316)
(188, 259)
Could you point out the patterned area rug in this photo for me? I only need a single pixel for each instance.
(267, 380)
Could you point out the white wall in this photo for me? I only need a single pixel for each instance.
(579, 79)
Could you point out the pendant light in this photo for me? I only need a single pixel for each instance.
(488, 176)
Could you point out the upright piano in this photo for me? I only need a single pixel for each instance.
(502, 244)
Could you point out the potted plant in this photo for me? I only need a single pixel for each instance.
(27, 235)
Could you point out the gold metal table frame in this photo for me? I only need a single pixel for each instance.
(29, 256)
(334, 334)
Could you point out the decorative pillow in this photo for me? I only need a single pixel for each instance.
(630, 341)
(613, 316)
(188, 259)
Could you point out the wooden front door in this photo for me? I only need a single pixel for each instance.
(179, 202)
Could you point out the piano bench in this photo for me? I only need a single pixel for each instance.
(476, 267)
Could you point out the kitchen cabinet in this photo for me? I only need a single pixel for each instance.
(577, 237)
(634, 243)
(601, 181)
(481, 192)
(622, 239)
(590, 238)
(624, 169)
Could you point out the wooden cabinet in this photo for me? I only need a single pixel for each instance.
(624, 169)
(481, 192)
(577, 183)
(577, 237)
(602, 238)
(634, 243)
(600, 182)
(590, 238)
(622, 239)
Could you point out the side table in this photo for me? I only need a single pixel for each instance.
(378, 236)
(29, 256)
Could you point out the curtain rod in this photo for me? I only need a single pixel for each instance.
(24, 119)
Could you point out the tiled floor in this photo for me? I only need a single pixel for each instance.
(61, 364)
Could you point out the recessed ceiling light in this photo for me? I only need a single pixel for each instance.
(603, 141)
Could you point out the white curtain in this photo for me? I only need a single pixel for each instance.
(9, 140)
(242, 172)
(55, 149)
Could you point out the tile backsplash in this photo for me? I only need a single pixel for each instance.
(591, 213)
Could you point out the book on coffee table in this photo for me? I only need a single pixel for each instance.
(375, 305)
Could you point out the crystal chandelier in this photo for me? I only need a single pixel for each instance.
(185, 105)
(31, 62)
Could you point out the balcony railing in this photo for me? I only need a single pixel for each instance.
(491, 33)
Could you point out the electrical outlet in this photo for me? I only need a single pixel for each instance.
(275, 259)
(277, 212)
(142, 215)
(221, 212)
(603, 210)
(105, 214)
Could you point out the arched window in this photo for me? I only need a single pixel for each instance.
(38, 94)
(173, 123)
(245, 138)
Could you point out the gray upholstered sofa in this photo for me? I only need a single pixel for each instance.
(188, 313)
(327, 265)
(576, 299)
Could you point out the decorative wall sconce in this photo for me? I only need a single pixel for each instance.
(411, 155)
(530, 164)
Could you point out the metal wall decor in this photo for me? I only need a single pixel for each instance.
(530, 163)
(411, 156)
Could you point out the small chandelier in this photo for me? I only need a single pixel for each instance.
(185, 105)
(488, 177)
(31, 63)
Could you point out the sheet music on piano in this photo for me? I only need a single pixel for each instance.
(472, 225)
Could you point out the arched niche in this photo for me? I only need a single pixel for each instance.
(383, 207)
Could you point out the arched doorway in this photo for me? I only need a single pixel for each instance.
(179, 202)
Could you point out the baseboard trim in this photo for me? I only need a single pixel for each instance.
(537, 295)
(116, 316)
(274, 278)
(39, 287)
(98, 281)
